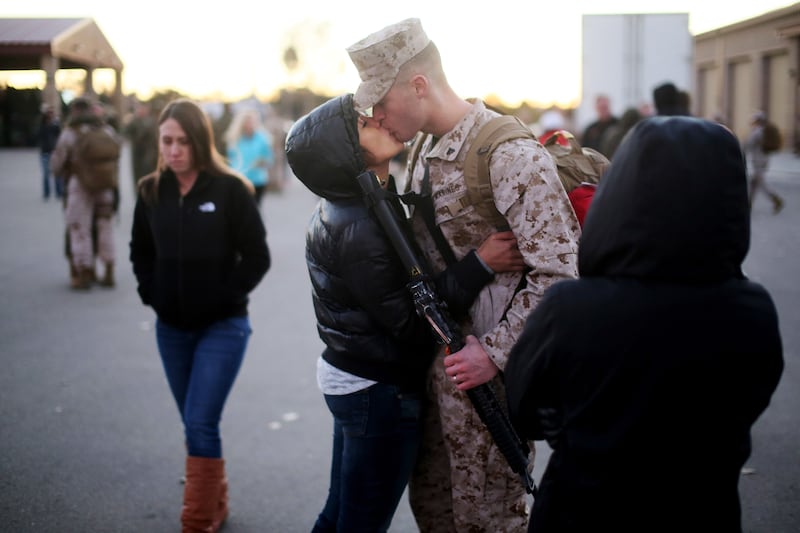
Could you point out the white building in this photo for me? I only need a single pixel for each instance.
(626, 56)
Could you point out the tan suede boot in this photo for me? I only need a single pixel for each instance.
(108, 277)
(222, 504)
(205, 495)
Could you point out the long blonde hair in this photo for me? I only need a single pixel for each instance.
(196, 125)
(234, 131)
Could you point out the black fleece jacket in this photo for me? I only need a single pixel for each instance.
(197, 257)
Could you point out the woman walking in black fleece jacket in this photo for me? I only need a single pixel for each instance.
(198, 248)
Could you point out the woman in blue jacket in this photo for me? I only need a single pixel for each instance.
(250, 149)
(198, 248)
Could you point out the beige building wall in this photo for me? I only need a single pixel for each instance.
(751, 66)
(779, 91)
(742, 103)
(708, 83)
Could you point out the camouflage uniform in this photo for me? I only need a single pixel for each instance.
(84, 208)
(462, 482)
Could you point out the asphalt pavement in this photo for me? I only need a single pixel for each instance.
(90, 436)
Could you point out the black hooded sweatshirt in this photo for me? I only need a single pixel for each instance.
(646, 374)
(365, 313)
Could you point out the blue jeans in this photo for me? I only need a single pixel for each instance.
(57, 181)
(376, 437)
(201, 366)
(45, 160)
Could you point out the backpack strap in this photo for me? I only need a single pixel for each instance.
(478, 179)
(425, 204)
(476, 165)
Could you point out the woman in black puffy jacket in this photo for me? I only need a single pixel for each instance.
(378, 349)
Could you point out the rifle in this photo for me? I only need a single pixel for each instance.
(433, 309)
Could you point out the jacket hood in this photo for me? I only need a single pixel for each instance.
(672, 207)
(323, 151)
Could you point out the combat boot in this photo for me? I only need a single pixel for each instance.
(74, 276)
(84, 279)
(777, 204)
(108, 277)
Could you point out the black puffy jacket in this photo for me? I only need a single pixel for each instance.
(365, 314)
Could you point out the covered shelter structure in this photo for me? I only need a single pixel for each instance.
(51, 44)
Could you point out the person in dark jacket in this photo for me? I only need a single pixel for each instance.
(647, 373)
(377, 349)
(142, 131)
(671, 101)
(595, 132)
(198, 247)
(613, 137)
(49, 131)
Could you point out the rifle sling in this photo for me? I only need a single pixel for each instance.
(424, 203)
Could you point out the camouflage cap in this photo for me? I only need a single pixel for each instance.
(379, 56)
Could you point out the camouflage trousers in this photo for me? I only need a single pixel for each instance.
(461, 482)
(83, 209)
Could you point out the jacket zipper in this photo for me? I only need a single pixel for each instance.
(180, 256)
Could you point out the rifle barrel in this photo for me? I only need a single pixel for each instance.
(434, 310)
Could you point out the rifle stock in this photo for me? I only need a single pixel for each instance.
(433, 309)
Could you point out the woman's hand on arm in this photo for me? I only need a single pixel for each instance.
(500, 252)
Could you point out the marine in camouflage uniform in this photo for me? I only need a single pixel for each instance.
(462, 482)
(88, 214)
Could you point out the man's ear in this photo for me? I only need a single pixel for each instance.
(420, 84)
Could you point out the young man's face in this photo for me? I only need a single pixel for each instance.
(378, 144)
(397, 112)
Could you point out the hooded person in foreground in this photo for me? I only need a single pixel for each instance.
(647, 373)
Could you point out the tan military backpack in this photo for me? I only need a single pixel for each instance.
(576, 166)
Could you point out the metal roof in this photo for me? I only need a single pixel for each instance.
(76, 42)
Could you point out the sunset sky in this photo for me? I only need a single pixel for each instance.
(517, 50)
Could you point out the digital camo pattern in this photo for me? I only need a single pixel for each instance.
(462, 482)
(529, 194)
(379, 56)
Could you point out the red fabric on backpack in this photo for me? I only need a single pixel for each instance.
(580, 197)
(559, 135)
